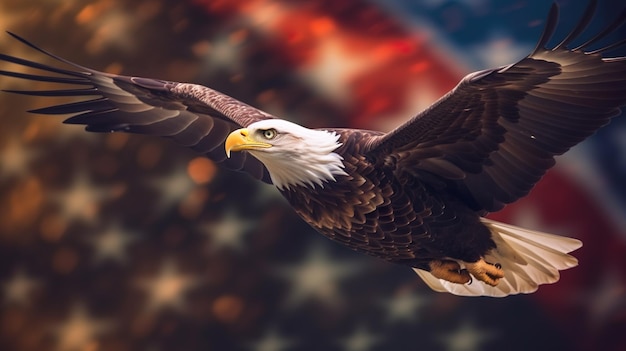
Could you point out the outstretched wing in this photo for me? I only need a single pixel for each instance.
(496, 134)
(192, 115)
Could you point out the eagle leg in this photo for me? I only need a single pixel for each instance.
(450, 271)
(485, 271)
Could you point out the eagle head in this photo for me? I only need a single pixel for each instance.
(293, 155)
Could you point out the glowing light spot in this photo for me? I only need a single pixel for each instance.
(25, 201)
(86, 15)
(201, 170)
(114, 68)
(322, 26)
(167, 288)
(201, 48)
(227, 308)
(266, 97)
(31, 131)
(192, 205)
(116, 141)
(52, 228)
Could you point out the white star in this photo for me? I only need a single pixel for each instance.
(264, 15)
(167, 288)
(228, 233)
(580, 163)
(82, 200)
(317, 277)
(466, 338)
(110, 30)
(79, 331)
(224, 52)
(173, 188)
(404, 306)
(267, 194)
(15, 158)
(332, 69)
(360, 340)
(18, 289)
(112, 244)
(419, 95)
(499, 50)
(527, 216)
(272, 341)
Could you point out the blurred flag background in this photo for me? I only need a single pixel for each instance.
(118, 242)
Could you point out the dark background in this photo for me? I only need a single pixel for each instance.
(117, 242)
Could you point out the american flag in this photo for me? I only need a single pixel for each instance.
(118, 242)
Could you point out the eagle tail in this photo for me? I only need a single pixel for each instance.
(529, 258)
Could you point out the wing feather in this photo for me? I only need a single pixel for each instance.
(495, 135)
(192, 115)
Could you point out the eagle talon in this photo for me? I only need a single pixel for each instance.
(471, 279)
(450, 271)
(486, 272)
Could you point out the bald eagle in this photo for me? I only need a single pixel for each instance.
(415, 196)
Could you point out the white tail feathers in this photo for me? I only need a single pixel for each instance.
(529, 258)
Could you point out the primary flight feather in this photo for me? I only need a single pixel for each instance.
(414, 196)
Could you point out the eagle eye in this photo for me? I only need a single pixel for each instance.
(269, 134)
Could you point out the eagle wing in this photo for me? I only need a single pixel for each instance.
(192, 115)
(496, 134)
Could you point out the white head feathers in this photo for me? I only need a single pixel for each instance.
(298, 156)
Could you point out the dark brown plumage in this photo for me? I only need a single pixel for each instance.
(416, 195)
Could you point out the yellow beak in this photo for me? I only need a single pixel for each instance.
(240, 139)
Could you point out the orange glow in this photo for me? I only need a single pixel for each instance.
(114, 68)
(265, 97)
(86, 14)
(387, 51)
(52, 228)
(91, 346)
(201, 170)
(322, 26)
(201, 48)
(31, 131)
(25, 201)
(193, 204)
(227, 309)
(116, 141)
(383, 53)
